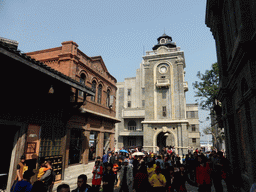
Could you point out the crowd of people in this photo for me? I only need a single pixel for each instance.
(125, 172)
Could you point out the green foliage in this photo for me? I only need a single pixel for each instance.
(208, 87)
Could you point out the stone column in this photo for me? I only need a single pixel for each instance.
(85, 144)
(112, 141)
(99, 147)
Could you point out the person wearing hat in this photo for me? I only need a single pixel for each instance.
(24, 185)
(20, 168)
(126, 177)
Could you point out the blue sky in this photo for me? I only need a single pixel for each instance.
(118, 30)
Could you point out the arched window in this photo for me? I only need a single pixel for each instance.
(94, 89)
(132, 125)
(82, 80)
(108, 98)
(99, 93)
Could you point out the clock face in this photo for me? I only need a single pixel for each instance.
(163, 69)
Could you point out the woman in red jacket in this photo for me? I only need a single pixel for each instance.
(97, 176)
(203, 177)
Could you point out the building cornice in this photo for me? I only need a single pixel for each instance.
(84, 111)
(165, 121)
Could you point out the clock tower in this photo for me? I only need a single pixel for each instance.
(152, 105)
(165, 120)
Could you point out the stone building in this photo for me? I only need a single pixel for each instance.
(152, 106)
(233, 25)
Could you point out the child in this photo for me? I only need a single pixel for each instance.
(42, 170)
(115, 169)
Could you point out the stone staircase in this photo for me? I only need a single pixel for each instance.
(71, 174)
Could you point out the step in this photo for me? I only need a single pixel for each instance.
(71, 173)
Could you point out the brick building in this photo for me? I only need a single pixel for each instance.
(90, 130)
(36, 104)
(233, 25)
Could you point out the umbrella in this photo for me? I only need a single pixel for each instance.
(138, 154)
(123, 151)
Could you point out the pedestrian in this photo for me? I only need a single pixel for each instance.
(82, 185)
(63, 188)
(217, 172)
(203, 178)
(180, 180)
(141, 183)
(97, 176)
(24, 185)
(151, 169)
(115, 169)
(226, 172)
(20, 168)
(170, 180)
(126, 177)
(158, 181)
(105, 160)
(161, 162)
(108, 178)
(42, 170)
(49, 177)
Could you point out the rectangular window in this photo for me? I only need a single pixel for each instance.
(129, 104)
(143, 91)
(193, 140)
(143, 103)
(164, 111)
(164, 94)
(193, 127)
(192, 114)
(129, 92)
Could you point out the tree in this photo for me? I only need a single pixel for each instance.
(207, 88)
(217, 135)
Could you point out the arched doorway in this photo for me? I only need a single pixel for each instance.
(161, 140)
(165, 139)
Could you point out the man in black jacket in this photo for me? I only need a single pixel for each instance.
(82, 185)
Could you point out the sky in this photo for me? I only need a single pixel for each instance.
(118, 30)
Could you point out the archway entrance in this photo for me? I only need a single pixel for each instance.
(161, 140)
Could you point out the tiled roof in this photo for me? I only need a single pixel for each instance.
(41, 65)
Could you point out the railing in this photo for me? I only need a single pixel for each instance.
(168, 50)
(162, 82)
(131, 128)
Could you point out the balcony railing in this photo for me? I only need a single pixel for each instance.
(162, 83)
(131, 128)
(185, 85)
(168, 50)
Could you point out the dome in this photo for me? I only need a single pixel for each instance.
(164, 40)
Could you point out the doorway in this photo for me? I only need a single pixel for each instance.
(93, 145)
(161, 140)
(75, 147)
(7, 143)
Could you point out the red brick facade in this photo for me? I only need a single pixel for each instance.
(97, 113)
